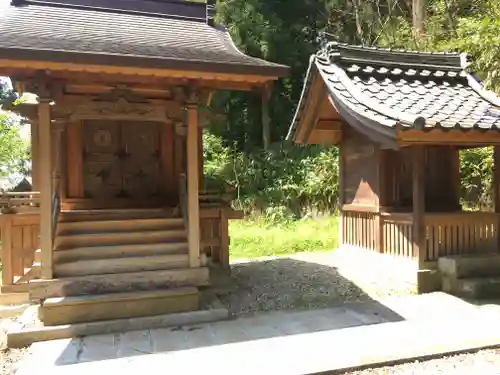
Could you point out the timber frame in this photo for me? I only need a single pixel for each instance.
(400, 119)
(118, 125)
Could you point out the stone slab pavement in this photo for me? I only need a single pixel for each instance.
(304, 342)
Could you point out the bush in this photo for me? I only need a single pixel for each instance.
(283, 183)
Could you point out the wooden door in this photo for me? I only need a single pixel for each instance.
(121, 163)
(102, 179)
(141, 173)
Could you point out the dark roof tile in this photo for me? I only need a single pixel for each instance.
(398, 87)
(112, 36)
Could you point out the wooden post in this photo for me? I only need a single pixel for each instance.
(266, 120)
(35, 175)
(496, 189)
(224, 239)
(7, 271)
(341, 195)
(193, 205)
(45, 164)
(418, 173)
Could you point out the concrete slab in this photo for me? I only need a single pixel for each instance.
(354, 335)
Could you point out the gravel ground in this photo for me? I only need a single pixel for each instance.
(10, 359)
(485, 362)
(315, 280)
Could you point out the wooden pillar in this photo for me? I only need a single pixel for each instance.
(201, 175)
(341, 194)
(266, 120)
(193, 206)
(45, 164)
(35, 158)
(496, 188)
(418, 174)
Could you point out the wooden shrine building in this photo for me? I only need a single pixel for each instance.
(400, 120)
(118, 209)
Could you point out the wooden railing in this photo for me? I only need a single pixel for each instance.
(56, 209)
(20, 240)
(446, 233)
(360, 229)
(12, 202)
(397, 234)
(461, 233)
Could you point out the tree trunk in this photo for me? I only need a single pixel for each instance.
(418, 17)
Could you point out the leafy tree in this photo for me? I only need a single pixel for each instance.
(13, 149)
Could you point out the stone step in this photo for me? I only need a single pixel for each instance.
(474, 288)
(121, 265)
(118, 251)
(472, 265)
(83, 309)
(119, 238)
(126, 225)
(118, 283)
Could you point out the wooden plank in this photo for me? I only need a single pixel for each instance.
(193, 186)
(74, 157)
(46, 234)
(7, 275)
(418, 176)
(56, 311)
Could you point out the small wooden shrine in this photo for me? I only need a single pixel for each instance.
(400, 120)
(118, 209)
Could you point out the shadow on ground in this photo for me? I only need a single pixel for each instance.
(285, 284)
(320, 295)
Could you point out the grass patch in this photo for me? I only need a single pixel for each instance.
(257, 238)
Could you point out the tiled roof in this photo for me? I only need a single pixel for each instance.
(384, 89)
(38, 30)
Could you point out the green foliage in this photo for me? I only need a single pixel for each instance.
(13, 149)
(257, 238)
(476, 166)
(284, 182)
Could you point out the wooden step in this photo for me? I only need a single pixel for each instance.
(118, 214)
(118, 251)
(119, 238)
(471, 265)
(135, 225)
(121, 265)
(116, 283)
(69, 310)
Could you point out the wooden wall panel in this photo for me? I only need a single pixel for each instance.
(441, 178)
(361, 185)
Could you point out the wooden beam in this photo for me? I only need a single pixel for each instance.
(27, 68)
(418, 175)
(448, 138)
(46, 208)
(193, 206)
(35, 158)
(266, 120)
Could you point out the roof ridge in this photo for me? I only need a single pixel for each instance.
(77, 4)
(340, 52)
